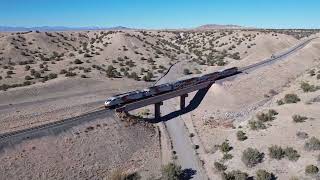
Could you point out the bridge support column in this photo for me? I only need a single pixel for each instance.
(157, 111)
(183, 101)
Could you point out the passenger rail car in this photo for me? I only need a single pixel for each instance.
(121, 99)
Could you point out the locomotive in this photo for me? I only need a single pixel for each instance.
(124, 98)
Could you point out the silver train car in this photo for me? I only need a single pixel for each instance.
(121, 99)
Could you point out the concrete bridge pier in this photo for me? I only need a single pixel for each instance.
(157, 111)
(183, 101)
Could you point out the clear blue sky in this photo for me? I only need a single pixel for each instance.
(161, 13)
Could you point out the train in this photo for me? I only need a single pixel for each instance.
(128, 97)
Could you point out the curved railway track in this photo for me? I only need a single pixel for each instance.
(60, 123)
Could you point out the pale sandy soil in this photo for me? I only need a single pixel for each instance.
(83, 153)
(56, 100)
(237, 101)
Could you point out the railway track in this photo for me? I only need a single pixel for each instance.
(60, 123)
(55, 124)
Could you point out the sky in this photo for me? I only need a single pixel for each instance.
(155, 14)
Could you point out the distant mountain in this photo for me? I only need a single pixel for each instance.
(219, 26)
(58, 28)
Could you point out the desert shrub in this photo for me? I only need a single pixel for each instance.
(291, 154)
(280, 102)
(255, 125)
(27, 77)
(44, 79)
(77, 61)
(52, 76)
(1, 78)
(148, 77)
(276, 152)
(83, 76)
(120, 175)
(27, 83)
(10, 72)
(227, 156)
(291, 98)
(171, 172)
(264, 117)
(312, 72)
(225, 147)
(86, 55)
(311, 170)
(306, 87)
(70, 74)
(37, 75)
(134, 76)
(111, 71)
(251, 157)
(27, 67)
(264, 175)
(235, 175)
(241, 136)
(302, 135)
(298, 119)
(186, 72)
(318, 76)
(313, 144)
(220, 166)
(63, 71)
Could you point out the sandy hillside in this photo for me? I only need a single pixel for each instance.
(93, 150)
(230, 105)
(46, 77)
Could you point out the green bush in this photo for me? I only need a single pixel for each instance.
(148, 77)
(52, 76)
(78, 61)
(291, 154)
(220, 166)
(241, 136)
(280, 102)
(37, 75)
(306, 87)
(251, 157)
(235, 175)
(171, 172)
(227, 156)
(265, 117)
(302, 135)
(313, 144)
(186, 72)
(312, 72)
(225, 147)
(27, 77)
(63, 71)
(298, 119)
(70, 74)
(311, 170)
(120, 175)
(264, 175)
(255, 125)
(276, 152)
(291, 98)
(27, 67)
